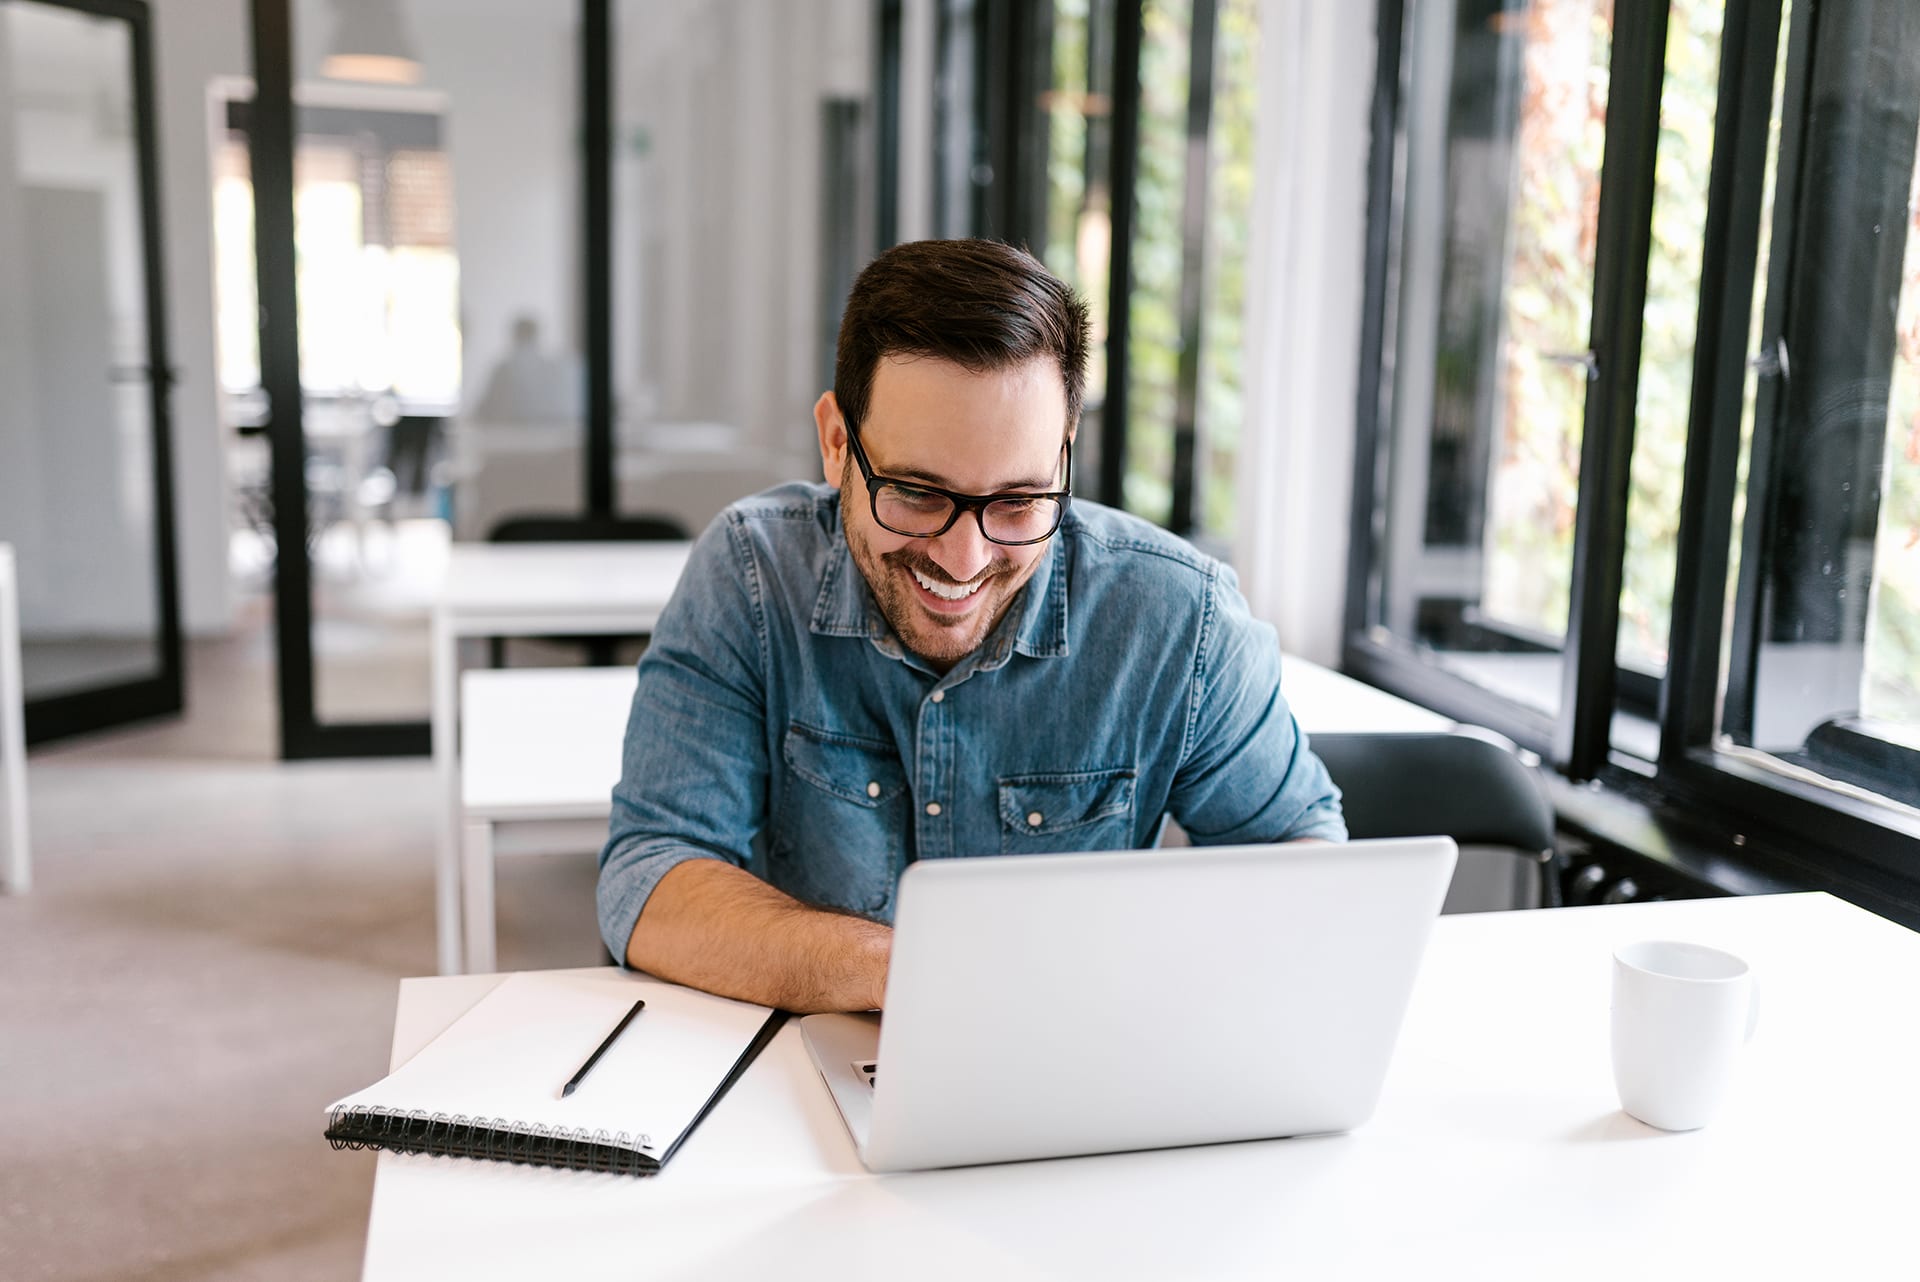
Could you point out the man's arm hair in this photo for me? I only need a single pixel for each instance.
(714, 926)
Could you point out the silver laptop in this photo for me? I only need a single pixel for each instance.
(1052, 1005)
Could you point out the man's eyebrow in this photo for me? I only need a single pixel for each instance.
(940, 482)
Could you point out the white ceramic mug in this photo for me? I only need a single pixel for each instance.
(1681, 1013)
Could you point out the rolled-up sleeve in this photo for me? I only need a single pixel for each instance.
(693, 774)
(1247, 773)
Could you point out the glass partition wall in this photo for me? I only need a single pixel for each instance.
(85, 485)
(604, 284)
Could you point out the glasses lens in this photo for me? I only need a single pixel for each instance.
(907, 510)
(1018, 520)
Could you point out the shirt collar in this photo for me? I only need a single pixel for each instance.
(1038, 629)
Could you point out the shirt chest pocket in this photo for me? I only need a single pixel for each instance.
(1071, 811)
(839, 838)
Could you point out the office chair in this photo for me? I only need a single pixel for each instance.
(1455, 785)
(580, 529)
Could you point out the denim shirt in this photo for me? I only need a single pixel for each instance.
(780, 725)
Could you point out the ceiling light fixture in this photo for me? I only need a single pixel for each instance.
(371, 43)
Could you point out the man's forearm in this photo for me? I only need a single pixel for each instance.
(717, 927)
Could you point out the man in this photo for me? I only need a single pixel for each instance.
(933, 656)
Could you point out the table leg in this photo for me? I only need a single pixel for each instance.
(446, 777)
(476, 888)
(16, 868)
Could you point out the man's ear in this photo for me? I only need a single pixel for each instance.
(833, 437)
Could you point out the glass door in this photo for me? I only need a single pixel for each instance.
(85, 465)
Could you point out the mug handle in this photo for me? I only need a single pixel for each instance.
(1753, 1008)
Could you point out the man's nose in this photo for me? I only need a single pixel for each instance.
(964, 550)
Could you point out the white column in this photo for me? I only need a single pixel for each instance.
(1306, 273)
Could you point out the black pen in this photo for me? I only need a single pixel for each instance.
(600, 1050)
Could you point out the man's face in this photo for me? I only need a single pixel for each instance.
(933, 422)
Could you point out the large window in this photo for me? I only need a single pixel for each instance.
(1643, 483)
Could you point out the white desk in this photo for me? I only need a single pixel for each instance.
(527, 589)
(1329, 702)
(1498, 1150)
(541, 754)
(16, 863)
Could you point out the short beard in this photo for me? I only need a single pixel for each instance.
(892, 596)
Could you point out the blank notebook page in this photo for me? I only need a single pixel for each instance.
(508, 1057)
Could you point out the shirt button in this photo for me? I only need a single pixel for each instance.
(933, 808)
(873, 789)
(939, 696)
(1035, 819)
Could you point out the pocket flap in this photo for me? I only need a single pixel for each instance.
(866, 772)
(1050, 803)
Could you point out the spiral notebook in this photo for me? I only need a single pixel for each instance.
(489, 1086)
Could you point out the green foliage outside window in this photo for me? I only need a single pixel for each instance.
(1153, 354)
(1229, 224)
(1549, 305)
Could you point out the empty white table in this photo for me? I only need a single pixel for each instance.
(1498, 1149)
(540, 754)
(1329, 702)
(16, 863)
(526, 589)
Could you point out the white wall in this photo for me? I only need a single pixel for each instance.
(1306, 274)
(722, 211)
(509, 74)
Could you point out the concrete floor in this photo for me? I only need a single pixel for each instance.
(208, 958)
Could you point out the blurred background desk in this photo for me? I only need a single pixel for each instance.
(518, 590)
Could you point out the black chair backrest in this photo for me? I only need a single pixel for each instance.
(1453, 785)
(585, 529)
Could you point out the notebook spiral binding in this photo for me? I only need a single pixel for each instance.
(491, 1138)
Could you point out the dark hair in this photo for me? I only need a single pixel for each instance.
(980, 304)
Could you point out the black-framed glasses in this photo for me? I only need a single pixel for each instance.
(927, 511)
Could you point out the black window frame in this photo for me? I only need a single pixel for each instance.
(1815, 835)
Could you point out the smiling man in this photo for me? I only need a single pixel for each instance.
(938, 654)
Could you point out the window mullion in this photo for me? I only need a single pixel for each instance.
(1625, 231)
(1373, 388)
(1193, 248)
(1129, 17)
(1743, 655)
(1736, 191)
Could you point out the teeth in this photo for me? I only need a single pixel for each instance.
(946, 592)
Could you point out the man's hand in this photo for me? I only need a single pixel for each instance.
(716, 927)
